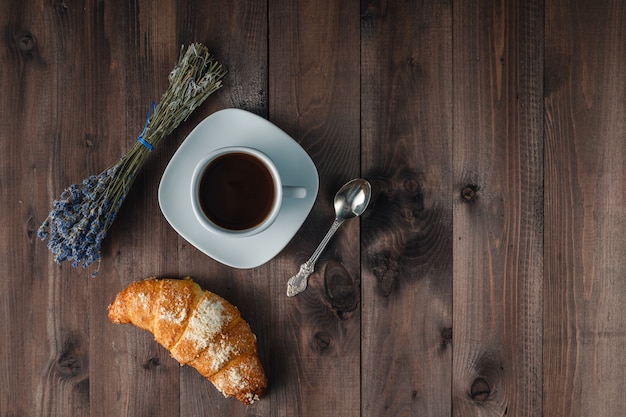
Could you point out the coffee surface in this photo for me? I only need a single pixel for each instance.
(236, 191)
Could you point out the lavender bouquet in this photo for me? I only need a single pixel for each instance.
(81, 217)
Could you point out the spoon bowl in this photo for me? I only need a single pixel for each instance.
(350, 201)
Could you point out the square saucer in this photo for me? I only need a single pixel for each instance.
(236, 127)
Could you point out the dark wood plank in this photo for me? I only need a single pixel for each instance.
(314, 96)
(498, 153)
(49, 334)
(406, 128)
(21, 62)
(126, 70)
(585, 135)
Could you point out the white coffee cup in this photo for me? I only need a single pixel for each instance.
(238, 191)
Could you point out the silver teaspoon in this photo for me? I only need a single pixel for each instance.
(350, 201)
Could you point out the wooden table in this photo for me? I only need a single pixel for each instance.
(488, 277)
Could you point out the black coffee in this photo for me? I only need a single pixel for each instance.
(236, 191)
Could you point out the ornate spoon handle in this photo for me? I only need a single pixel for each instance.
(298, 282)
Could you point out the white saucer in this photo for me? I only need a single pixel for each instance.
(235, 127)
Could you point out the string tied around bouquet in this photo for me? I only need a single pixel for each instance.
(140, 138)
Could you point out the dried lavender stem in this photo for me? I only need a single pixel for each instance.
(80, 219)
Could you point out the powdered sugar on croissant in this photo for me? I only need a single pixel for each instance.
(199, 329)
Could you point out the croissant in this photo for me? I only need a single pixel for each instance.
(200, 329)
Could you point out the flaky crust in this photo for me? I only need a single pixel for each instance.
(199, 328)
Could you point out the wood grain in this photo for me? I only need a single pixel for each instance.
(585, 140)
(406, 128)
(49, 308)
(133, 375)
(498, 154)
(486, 278)
(22, 270)
(314, 97)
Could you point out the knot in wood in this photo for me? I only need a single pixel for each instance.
(31, 228)
(152, 363)
(61, 8)
(68, 366)
(469, 192)
(446, 337)
(480, 390)
(321, 341)
(373, 9)
(25, 41)
(411, 185)
(341, 289)
(387, 282)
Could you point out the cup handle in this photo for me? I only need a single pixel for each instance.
(290, 191)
